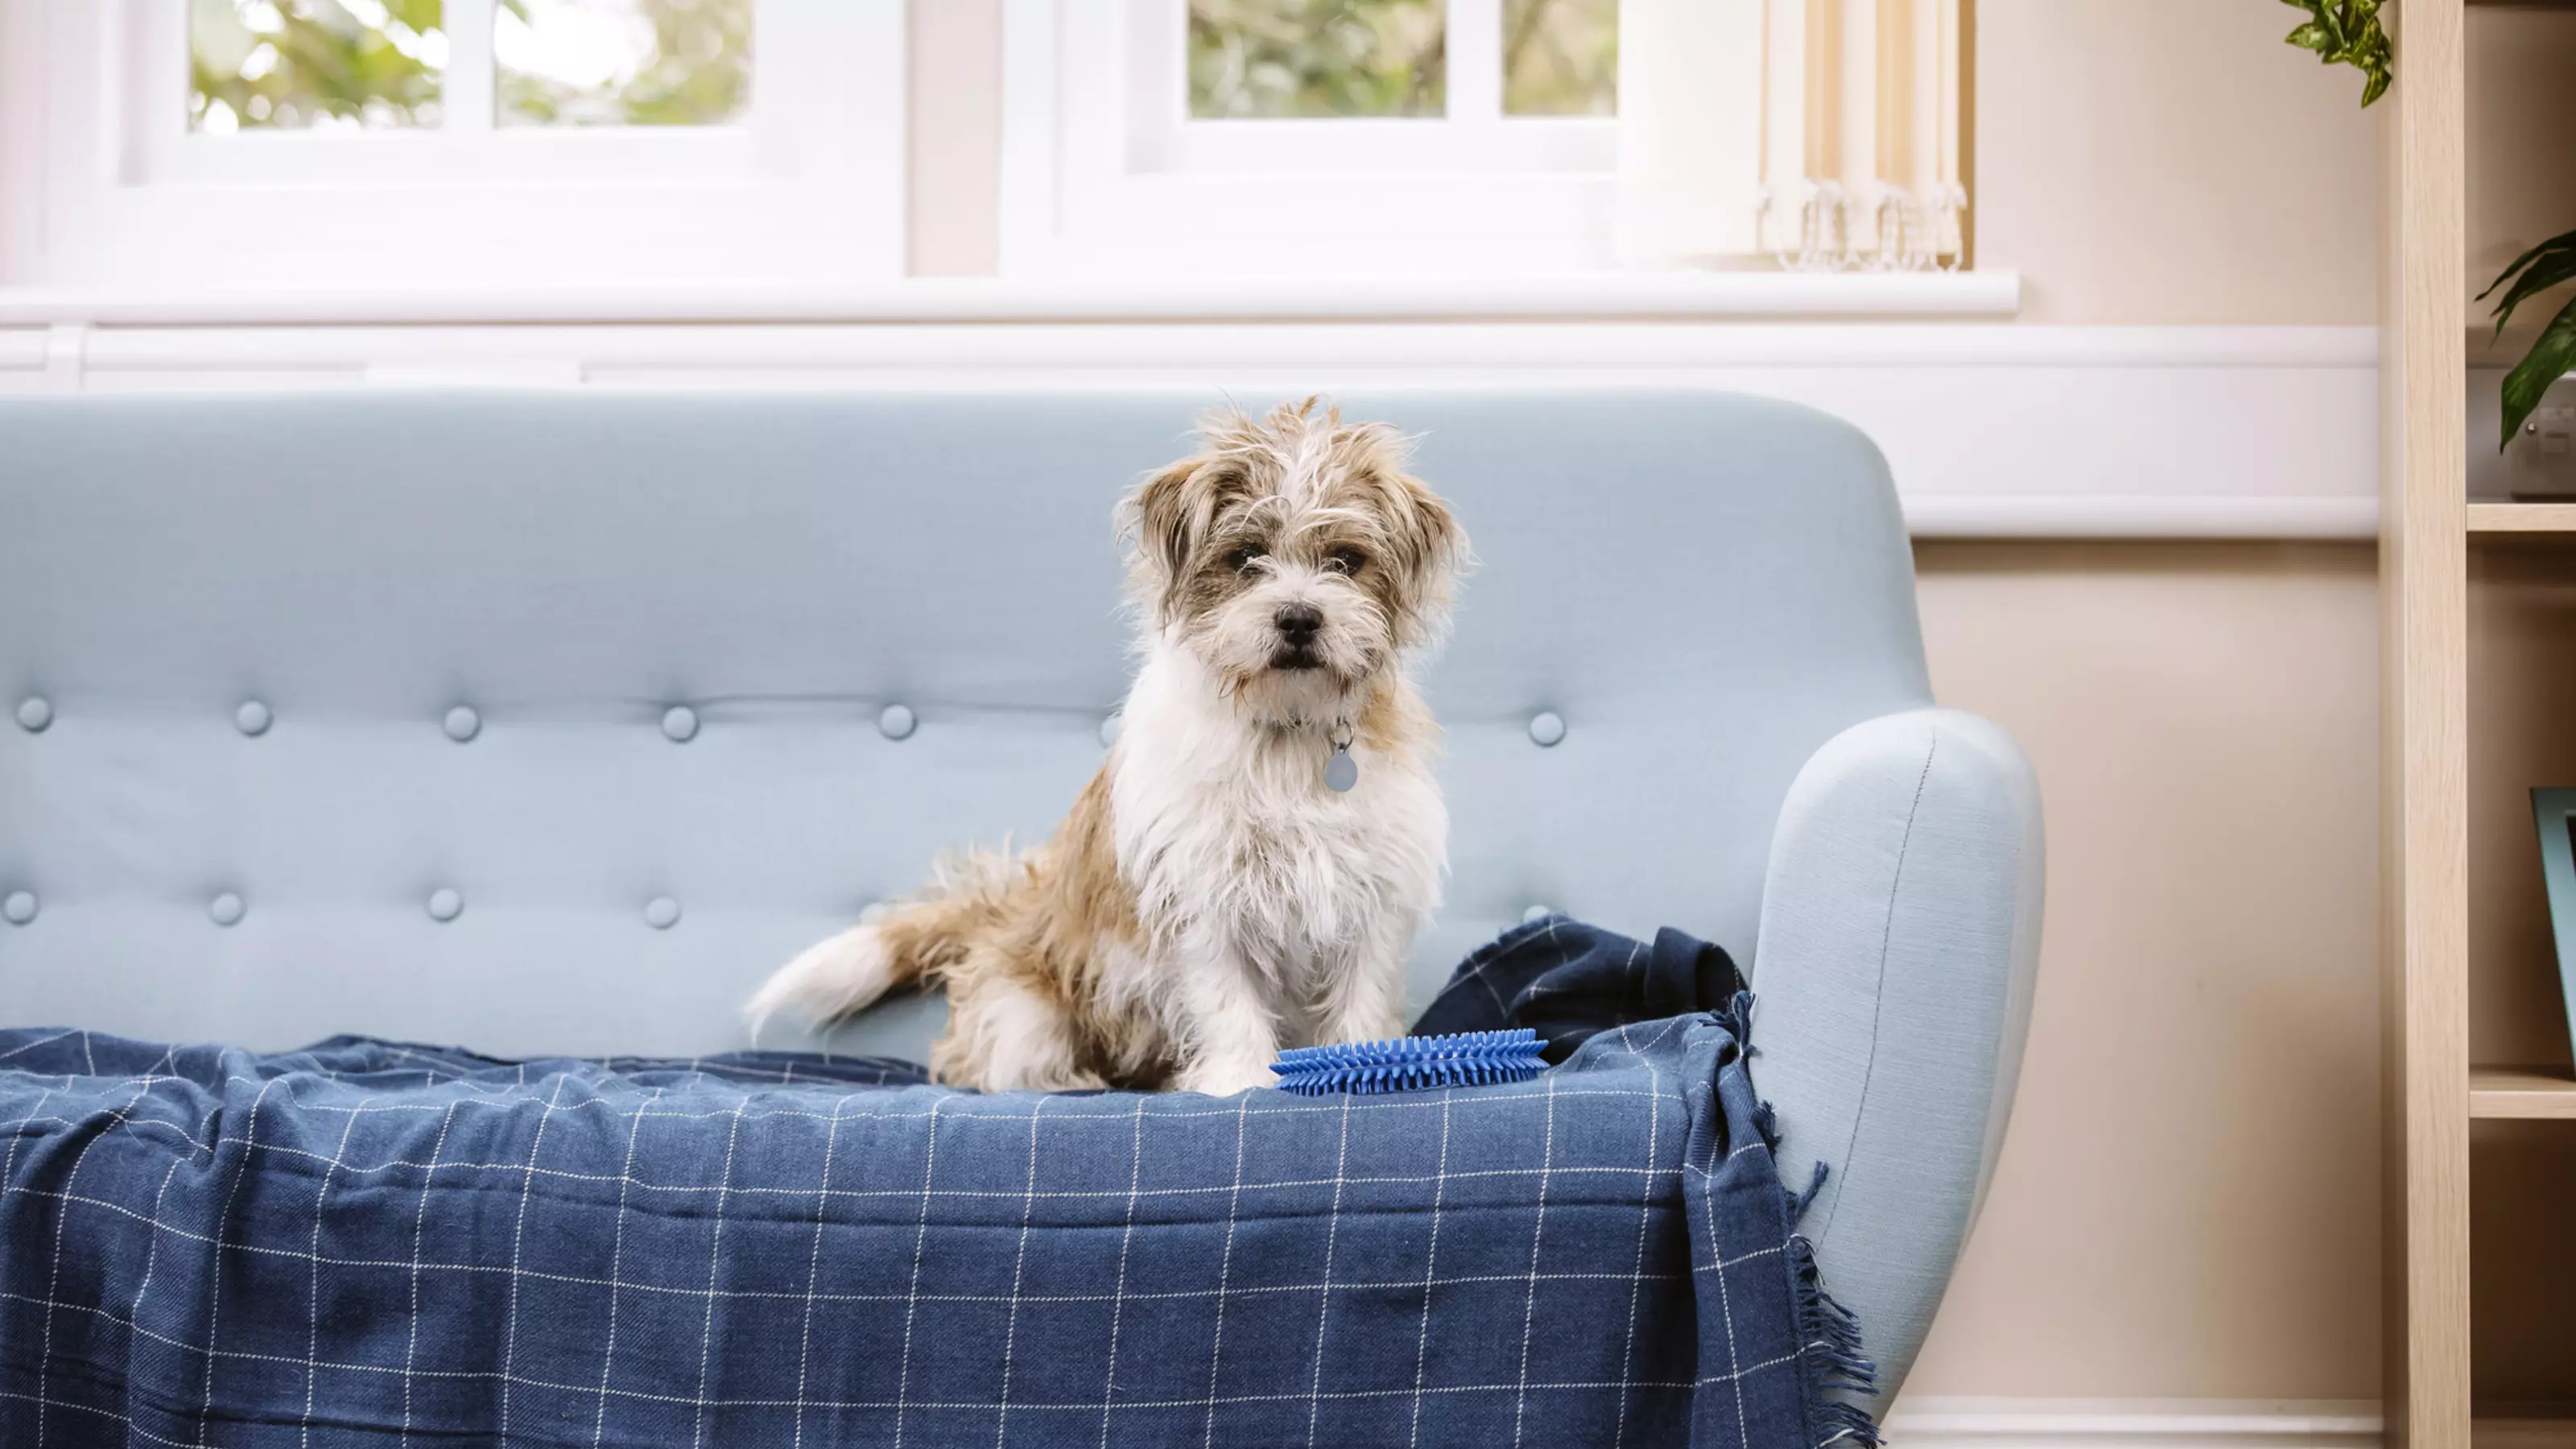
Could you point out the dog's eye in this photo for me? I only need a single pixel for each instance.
(1242, 559)
(1345, 560)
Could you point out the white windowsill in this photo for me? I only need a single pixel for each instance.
(1992, 431)
(1710, 296)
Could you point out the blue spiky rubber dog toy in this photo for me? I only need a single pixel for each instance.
(1412, 1063)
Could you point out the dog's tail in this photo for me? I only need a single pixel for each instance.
(912, 942)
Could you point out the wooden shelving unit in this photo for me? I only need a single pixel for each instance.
(2521, 1092)
(2428, 529)
(2522, 517)
(2423, 572)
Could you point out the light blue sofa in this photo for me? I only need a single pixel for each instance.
(551, 722)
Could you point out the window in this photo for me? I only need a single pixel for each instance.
(1294, 136)
(519, 143)
(1446, 138)
(1274, 58)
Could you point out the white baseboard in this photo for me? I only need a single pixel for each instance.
(1940, 1422)
(1992, 430)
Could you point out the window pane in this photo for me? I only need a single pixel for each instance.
(1560, 57)
(1317, 58)
(622, 62)
(313, 64)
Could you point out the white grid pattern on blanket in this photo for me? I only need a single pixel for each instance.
(1648, 1189)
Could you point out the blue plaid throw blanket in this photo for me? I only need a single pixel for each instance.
(366, 1243)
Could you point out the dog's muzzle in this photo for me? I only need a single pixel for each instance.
(1298, 626)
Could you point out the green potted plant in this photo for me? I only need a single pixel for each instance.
(2542, 267)
(2347, 32)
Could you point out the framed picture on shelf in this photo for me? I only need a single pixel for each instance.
(2554, 812)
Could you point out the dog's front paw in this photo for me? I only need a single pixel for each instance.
(1220, 1077)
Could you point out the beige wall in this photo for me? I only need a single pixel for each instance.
(2188, 1203)
(2171, 163)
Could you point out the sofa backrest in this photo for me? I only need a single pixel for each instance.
(682, 634)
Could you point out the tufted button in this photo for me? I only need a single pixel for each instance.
(1109, 729)
(1546, 727)
(445, 904)
(679, 724)
(661, 913)
(1535, 914)
(896, 722)
(253, 718)
(18, 907)
(225, 909)
(462, 724)
(34, 713)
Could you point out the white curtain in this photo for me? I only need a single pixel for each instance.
(1812, 134)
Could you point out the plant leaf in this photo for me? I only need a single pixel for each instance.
(2558, 266)
(2549, 360)
(2348, 32)
(2526, 259)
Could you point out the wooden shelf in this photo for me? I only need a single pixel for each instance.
(2522, 518)
(2500, 1433)
(2525, 1092)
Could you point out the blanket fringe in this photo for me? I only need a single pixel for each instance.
(1836, 1370)
(1829, 1338)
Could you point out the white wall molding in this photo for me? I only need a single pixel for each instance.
(1992, 431)
(1934, 1422)
(2173, 516)
(1591, 294)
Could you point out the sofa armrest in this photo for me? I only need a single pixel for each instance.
(1899, 937)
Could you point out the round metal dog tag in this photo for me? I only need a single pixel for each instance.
(1341, 772)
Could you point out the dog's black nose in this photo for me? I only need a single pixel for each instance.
(1299, 623)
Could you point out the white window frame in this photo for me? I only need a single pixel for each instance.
(809, 188)
(1105, 174)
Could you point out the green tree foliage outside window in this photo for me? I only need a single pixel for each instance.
(1273, 59)
(288, 64)
(1560, 57)
(695, 70)
(1299, 58)
(297, 64)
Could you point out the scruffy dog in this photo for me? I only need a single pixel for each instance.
(1248, 868)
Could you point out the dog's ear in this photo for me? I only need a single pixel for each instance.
(1164, 521)
(1430, 547)
(1431, 536)
(1155, 523)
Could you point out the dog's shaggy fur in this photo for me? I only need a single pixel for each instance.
(1209, 900)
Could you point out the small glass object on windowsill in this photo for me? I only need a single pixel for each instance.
(1880, 228)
